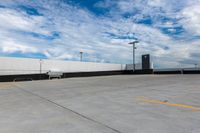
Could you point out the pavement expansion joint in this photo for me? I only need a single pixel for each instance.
(63, 107)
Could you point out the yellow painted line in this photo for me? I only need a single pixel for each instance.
(3, 86)
(169, 104)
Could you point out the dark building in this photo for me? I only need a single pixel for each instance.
(146, 62)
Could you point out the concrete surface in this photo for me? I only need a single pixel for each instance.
(112, 104)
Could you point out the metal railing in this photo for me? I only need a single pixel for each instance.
(178, 69)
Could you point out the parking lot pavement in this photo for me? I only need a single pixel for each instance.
(107, 104)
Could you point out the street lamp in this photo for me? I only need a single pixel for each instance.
(196, 66)
(41, 61)
(133, 43)
(81, 56)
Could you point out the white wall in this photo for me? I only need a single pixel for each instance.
(9, 66)
(138, 66)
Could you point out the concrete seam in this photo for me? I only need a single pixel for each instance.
(58, 105)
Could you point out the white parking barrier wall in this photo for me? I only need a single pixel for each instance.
(12, 66)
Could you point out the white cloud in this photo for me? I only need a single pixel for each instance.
(80, 30)
(157, 3)
(11, 46)
(191, 18)
(12, 19)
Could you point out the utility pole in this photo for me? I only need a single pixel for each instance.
(195, 66)
(81, 56)
(133, 43)
(41, 65)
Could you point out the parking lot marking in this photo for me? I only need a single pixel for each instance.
(146, 100)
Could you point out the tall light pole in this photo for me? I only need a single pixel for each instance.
(81, 56)
(195, 66)
(133, 43)
(41, 61)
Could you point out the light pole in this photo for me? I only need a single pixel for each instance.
(81, 56)
(196, 66)
(41, 65)
(133, 43)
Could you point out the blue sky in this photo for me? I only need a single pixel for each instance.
(59, 29)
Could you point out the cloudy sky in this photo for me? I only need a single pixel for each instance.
(59, 29)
